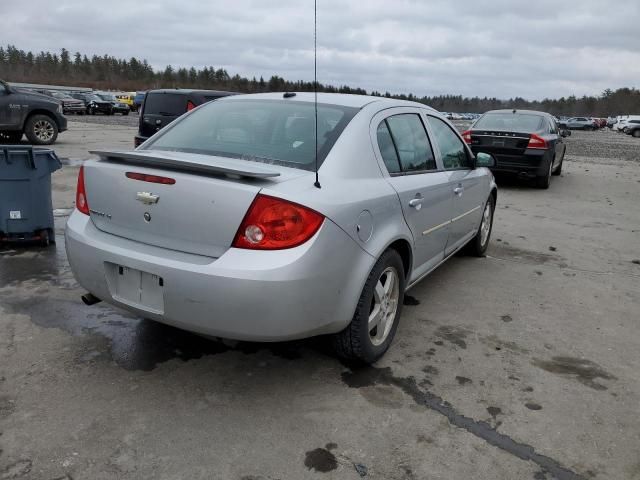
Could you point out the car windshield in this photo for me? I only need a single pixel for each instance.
(270, 131)
(107, 96)
(92, 98)
(510, 122)
(60, 95)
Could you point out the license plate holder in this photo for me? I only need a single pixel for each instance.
(136, 288)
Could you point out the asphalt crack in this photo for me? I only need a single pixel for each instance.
(367, 376)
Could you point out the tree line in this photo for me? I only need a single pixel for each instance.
(111, 73)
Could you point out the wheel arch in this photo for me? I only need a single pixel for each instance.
(403, 247)
(40, 111)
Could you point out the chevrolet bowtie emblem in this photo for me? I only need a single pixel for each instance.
(147, 198)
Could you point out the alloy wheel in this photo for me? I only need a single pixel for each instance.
(485, 226)
(43, 130)
(384, 306)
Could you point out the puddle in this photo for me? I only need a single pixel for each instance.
(501, 250)
(454, 335)
(370, 376)
(320, 460)
(38, 282)
(585, 371)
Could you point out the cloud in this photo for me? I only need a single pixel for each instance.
(499, 48)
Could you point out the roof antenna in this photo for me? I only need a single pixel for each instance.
(315, 83)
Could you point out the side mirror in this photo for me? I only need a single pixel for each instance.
(565, 133)
(485, 160)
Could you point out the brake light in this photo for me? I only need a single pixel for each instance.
(466, 136)
(81, 194)
(143, 177)
(537, 142)
(190, 105)
(274, 224)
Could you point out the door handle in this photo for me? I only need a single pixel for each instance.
(458, 190)
(416, 203)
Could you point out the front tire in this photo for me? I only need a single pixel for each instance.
(636, 133)
(477, 246)
(377, 314)
(41, 130)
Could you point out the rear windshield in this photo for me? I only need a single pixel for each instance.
(510, 122)
(270, 131)
(166, 104)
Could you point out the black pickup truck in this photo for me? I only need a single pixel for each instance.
(37, 116)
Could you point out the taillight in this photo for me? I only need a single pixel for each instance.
(81, 194)
(143, 177)
(538, 142)
(466, 136)
(190, 105)
(273, 224)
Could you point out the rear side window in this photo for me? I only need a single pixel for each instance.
(388, 151)
(166, 104)
(510, 122)
(270, 131)
(404, 144)
(453, 151)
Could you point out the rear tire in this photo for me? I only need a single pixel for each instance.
(543, 181)
(477, 246)
(377, 314)
(41, 130)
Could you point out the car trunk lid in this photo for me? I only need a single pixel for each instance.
(500, 142)
(198, 211)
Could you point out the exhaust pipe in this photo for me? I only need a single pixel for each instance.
(90, 299)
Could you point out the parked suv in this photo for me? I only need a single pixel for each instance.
(161, 107)
(69, 104)
(37, 116)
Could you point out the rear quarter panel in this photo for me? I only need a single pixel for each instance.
(352, 185)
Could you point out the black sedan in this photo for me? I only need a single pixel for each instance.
(524, 142)
(94, 104)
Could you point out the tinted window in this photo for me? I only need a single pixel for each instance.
(453, 151)
(271, 131)
(387, 149)
(167, 104)
(411, 143)
(510, 122)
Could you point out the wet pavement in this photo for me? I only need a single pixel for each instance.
(522, 364)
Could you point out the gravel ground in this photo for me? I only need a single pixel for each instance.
(520, 365)
(130, 120)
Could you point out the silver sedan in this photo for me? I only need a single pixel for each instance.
(218, 224)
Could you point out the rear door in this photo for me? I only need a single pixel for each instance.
(160, 109)
(423, 190)
(465, 183)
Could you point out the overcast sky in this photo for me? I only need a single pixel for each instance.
(501, 48)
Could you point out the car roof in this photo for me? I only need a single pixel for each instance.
(342, 99)
(189, 91)
(517, 110)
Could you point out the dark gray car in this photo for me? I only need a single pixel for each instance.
(37, 116)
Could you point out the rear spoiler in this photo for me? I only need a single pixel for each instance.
(190, 162)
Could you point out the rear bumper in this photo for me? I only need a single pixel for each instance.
(244, 295)
(530, 164)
